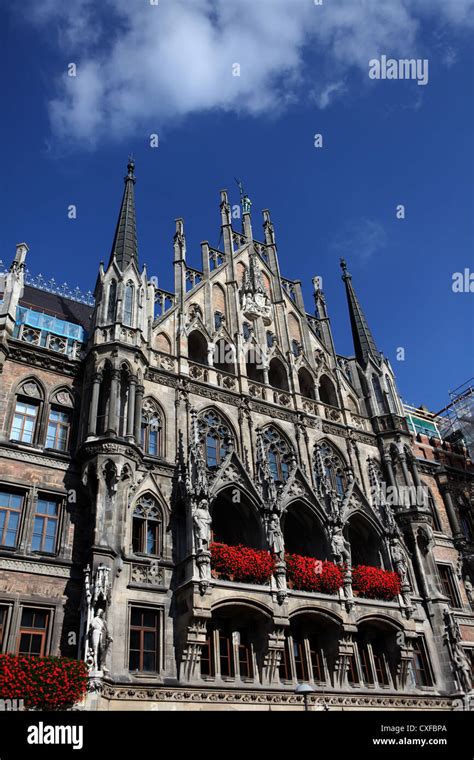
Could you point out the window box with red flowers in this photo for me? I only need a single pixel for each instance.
(375, 583)
(43, 683)
(241, 564)
(309, 574)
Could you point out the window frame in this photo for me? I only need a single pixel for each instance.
(35, 402)
(54, 407)
(158, 611)
(49, 498)
(44, 633)
(449, 582)
(4, 489)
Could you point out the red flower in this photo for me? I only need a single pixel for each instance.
(241, 563)
(375, 583)
(45, 683)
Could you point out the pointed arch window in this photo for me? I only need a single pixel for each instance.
(332, 469)
(279, 454)
(380, 398)
(112, 301)
(147, 527)
(391, 395)
(27, 413)
(152, 427)
(128, 304)
(216, 436)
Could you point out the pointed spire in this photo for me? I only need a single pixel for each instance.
(125, 247)
(364, 343)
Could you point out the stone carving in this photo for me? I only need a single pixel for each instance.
(151, 574)
(96, 598)
(400, 564)
(459, 661)
(31, 389)
(469, 591)
(254, 298)
(275, 536)
(202, 526)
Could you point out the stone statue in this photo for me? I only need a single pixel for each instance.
(399, 560)
(202, 526)
(462, 669)
(341, 548)
(469, 591)
(99, 640)
(275, 536)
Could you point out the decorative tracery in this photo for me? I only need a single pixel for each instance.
(279, 454)
(216, 437)
(329, 467)
(152, 427)
(147, 522)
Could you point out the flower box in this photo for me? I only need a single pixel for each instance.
(310, 574)
(43, 683)
(375, 583)
(241, 564)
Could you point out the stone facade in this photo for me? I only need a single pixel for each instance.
(137, 431)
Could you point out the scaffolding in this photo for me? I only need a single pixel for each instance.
(456, 420)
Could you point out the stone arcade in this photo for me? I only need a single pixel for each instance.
(142, 428)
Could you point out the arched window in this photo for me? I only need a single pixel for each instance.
(112, 301)
(391, 395)
(152, 427)
(59, 421)
(128, 304)
(27, 412)
(279, 454)
(277, 376)
(216, 437)
(327, 392)
(218, 319)
(197, 347)
(306, 383)
(330, 465)
(254, 366)
(224, 357)
(379, 396)
(147, 527)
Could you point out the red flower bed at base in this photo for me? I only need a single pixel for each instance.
(309, 574)
(375, 583)
(239, 563)
(44, 683)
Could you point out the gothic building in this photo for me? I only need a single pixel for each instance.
(205, 501)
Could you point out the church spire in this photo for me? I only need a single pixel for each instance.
(125, 247)
(364, 343)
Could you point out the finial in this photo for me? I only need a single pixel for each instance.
(245, 201)
(130, 168)
(345, 274)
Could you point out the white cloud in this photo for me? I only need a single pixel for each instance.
(141, 65)
(360, 240)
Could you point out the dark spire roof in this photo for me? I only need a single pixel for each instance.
(364, 343)
(124, 247)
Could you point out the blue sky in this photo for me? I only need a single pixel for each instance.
(66, 141)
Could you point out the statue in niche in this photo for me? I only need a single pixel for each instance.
(340, 547)
(275, 537)
(99, 640)
(202, 526)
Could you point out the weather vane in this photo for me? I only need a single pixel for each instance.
(245, 201)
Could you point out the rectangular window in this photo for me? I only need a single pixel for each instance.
(45, 527)
(352, 675)
(421, 665)
(381, 669)
(317, 665)
(365, 665)
(285, 670)
(226, 659)
(24, 422)
(207, 659)
(32, 637)
(10, 513)
(59, 425)
(447, 584)
(300, 664)
(144, 640)
(244, 651)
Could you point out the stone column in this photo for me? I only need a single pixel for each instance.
(131, 407)
(138, 413)
(114, 389)
(94, 405)
(451, 512)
